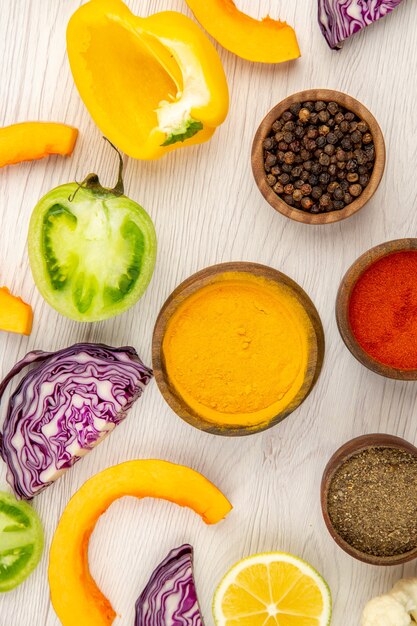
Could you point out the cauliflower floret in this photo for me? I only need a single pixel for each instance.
(405, 592)
(385, 611)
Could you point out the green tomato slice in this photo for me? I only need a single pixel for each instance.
(21, 541)
(92, 257)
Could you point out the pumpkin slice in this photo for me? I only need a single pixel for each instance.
(75, 596)
(264, 41)
(15, 315)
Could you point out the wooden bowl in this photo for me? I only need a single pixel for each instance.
(327, 95)
(349, 449)
(342, 307)
(194, 283)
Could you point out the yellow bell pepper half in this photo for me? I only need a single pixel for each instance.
(151, 84)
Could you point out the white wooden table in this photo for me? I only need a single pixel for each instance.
(207, 209)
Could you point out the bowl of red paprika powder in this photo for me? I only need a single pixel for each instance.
(376, 309)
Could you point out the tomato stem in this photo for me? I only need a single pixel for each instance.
(92, 183)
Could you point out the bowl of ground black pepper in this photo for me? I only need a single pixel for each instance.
(318, 156)
(376, 309)
(369, 499)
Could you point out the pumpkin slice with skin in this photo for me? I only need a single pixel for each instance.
(262, 41)
(74, 594)
(15, 315)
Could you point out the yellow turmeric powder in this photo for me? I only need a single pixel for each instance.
(236, 351)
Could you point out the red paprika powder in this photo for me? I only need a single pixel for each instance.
(383, 310)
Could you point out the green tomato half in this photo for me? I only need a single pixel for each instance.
(92, 252)
(21, 541)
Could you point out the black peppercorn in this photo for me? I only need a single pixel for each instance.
(352, 177)
(324, 130)
(319, 105)
(309, 105)
(298, 184)
(349, 116)
(367, 138)
(363, 126)
(289, 199)
(332, 169)
(286, 116)
(338, 193)
(363, 180)
(284, 179)
(295, 146)
(276, 126)
(346, 143)
(316, 193)
(338, 205)
(324, 116)
(351, 165)
(286, 167)
(278, 188)
(356, 136)
(288, 137)
(329, 149)
(331, 187)
(269, 143)
(355, 190)
(331, 138)
(347, 198)
(313, 179)
(289, 188)
(270, 159)
(324, 178)
(321, 141)
(325, 200)
(304, 115)
(333, 108)
(297, 195)
(295, 108)
(306, 203)
(324, 159)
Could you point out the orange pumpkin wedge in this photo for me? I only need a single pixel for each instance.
(29, 141)
(15, 315)
(263, 41)
(74, 594)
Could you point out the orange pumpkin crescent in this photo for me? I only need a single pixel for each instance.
(74, 594)
(263, 41)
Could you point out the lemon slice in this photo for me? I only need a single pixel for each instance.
(272, 589)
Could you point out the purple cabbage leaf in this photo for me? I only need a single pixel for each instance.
(340, 19)
(64, 407)
(170, 598)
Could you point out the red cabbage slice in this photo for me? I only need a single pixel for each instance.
(170, 598)
(63, 407)
(340, 19)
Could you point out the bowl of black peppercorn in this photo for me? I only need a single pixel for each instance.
(318, 156)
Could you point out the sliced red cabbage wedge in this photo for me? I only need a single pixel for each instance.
(64, 407)
(170, 598)
(340, 19)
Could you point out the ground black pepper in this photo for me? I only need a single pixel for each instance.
(372, 501)
(315, 144)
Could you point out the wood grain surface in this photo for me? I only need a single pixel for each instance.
(207, 209)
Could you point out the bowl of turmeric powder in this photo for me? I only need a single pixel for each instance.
(376, 309)
(236, 348)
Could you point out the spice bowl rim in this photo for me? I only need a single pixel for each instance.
(257, 159)
(347, 284)
(339, 457)
(192, 284)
